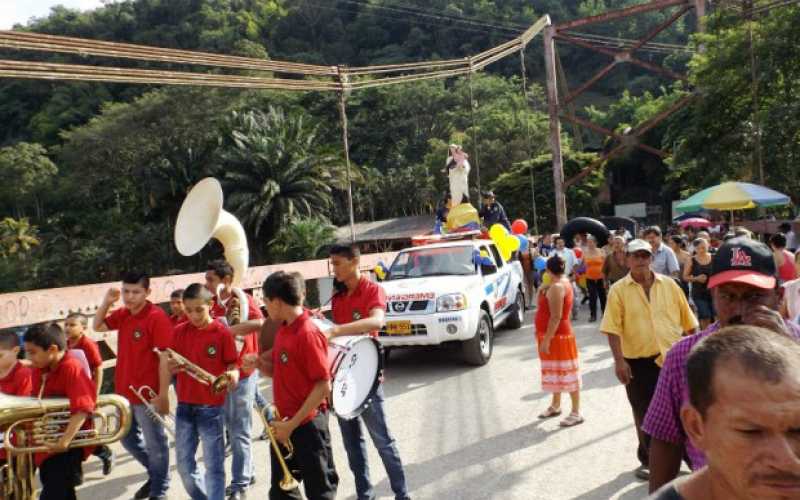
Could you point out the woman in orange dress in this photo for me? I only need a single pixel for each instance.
(558, 351)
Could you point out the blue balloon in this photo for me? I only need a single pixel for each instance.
(540, 263)
(523, 242)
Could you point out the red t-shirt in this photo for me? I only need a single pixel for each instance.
(177, 319)
(18, 381)
(67, 380)
(367, 296)
(213, 350)
(137, 364)
(247, 344)
(90, 350)
(300, 360)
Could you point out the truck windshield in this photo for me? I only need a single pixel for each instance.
(446, 261)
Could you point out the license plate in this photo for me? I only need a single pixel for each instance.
(398, 328)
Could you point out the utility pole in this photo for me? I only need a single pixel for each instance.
(555, 125)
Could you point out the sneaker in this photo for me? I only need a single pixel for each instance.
(237, 495)
(263, 437)
(143, 492)
(229, 489)
(642, 473)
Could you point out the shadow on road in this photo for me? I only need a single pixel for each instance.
(612, 487)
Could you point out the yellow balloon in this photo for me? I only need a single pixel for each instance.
(546, 279)
(497, 233)
(512, 242)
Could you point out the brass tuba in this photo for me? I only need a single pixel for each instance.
(29, 424)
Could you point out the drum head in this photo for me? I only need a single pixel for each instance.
(357, 376)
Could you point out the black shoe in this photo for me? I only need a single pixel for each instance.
(263, 437)
(108, 463)
(642, 473)
(592, 319)
(143, 492)
(237, 495)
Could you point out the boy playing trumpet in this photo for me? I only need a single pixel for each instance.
(209, 345)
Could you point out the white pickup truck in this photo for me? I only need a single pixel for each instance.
(442, 293)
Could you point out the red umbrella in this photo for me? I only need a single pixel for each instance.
(695, 222)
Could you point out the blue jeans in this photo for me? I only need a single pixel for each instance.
(195, 423)
(355, 446)
(260, 401)
(147, 443)
(239, 420)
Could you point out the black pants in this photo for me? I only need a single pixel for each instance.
(640, 392)
(58, 474)
(597, 290)
(312, 463)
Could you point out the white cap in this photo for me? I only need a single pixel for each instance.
(639, 245)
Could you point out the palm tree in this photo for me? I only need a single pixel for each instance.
(274, 172)
(303, 239)
(17, 237)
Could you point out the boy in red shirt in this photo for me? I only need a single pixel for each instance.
(75, 327)
(178, 315)
(301, 384)
(208, 344)
(141, 326)
(239, 401)
(56, 375)
(15, 378)
(359, 309)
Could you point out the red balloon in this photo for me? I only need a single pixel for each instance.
(519, 226)
(578, 252)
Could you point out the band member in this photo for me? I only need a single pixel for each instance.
(177, 314)
(239, 401)
(301, 383)
(57, 375)
(358, 309)
(75, 329)
(15, 377)
(208, 344)
(142, 326)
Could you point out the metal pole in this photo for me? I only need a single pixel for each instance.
(528, 139)
(343, 115)
(555, 126)
(474, 139)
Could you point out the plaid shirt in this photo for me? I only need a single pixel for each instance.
(663, 420)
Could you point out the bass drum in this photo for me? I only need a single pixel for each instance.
(584, 225)
(356, 364)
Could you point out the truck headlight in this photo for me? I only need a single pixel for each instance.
(451, 302)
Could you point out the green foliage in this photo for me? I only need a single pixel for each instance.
(17, 238)
(27, 173)
(302, 239)
(274, 171)
(513, 189)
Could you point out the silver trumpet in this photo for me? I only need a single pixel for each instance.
(145, 393)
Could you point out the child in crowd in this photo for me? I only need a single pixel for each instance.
(75, 327)
(56, 375)
(178, 315)
(199, 418)
(15, 377)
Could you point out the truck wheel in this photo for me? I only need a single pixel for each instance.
(517, 316)
(478, 349)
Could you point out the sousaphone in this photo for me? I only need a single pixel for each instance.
(201, 218)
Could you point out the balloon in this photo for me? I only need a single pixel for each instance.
(380, 270)
(578, 252)
(546, 279)
(497, 233)
(540, 264)
(519, 226)
(523, 242)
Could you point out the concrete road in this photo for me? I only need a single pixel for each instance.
(472, 433)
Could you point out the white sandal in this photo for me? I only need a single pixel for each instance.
(572, 420)
(550, 412)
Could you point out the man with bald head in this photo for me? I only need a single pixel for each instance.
(745, 292)
(744, 414)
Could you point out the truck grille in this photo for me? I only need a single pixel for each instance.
(404, 306)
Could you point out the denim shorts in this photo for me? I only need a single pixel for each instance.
(705, 309)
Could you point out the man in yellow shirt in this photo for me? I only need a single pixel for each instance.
(646, 313)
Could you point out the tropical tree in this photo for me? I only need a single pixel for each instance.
(274, 170)
(302, 239)
(26, 171)
(17, 237)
